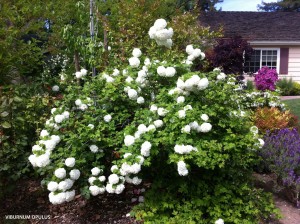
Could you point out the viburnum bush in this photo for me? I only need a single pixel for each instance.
(266, 79)
(157, 121)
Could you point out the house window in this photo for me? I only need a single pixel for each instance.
(261, 58)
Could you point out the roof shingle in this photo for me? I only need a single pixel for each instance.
(258, 26)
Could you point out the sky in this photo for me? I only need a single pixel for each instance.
(240, 5)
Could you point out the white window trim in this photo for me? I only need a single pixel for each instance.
(269, 49)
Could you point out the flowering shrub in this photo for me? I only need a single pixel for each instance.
(266, 79)
(158, 121)
(281, 154)
(272, 118)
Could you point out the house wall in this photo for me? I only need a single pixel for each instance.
(294, 64)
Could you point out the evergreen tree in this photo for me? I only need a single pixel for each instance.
(283, 6)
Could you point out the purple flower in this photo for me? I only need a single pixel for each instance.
(266, 79)
(281, 154)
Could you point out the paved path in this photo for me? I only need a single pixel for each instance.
(289, 97)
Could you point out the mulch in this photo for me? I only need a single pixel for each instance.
(30, 204)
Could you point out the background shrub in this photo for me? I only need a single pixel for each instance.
(288, 87)
(271, 118)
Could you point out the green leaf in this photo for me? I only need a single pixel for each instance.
(5, 124)
(4, 114)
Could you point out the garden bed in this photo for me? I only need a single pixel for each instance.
(30, 199)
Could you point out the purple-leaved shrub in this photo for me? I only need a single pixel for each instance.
(281, 154)
(266, 79)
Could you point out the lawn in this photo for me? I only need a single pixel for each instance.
(294, 106)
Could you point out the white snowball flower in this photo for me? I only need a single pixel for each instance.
(127, 155)
(132, 94)
(70, 162)
(91, 180)
(53, 110)
(196, 53)
(203, 84)
(254, 130)
(221, 76)
(52, 186)
(113, 179)
(204, 117)
(164, 34)
(95, 190)
(142, 159)
(55, 138)
(60, 173)
(116, 72)
(107, 118)
(55, 88)
(91, 126)
(78, 75)
(135, 168)
(158, 123)
(181, 114)
(42, 160)
(186, 129)
(109, 188)
(134, 62)
(44, 133)
(219, 221)
(74, 174)
(66, 114)
(153, 108)
(160, 24)
(205, 127)
(180, 99)
(147, 62)
(129, 140)
(113, 168)
(140, 100)
(189, 49)
(36, 148)
(136, 181)
(94, 148)
(78, 102)
(32, 160)
(57, 198)
(151, 127)
(83, 72)
(70, 195)
(145, 149)
(169, 43)
(162, 112)
(95, 171)
(120, 188)
(136, 52)
(170, 72)
(181, 168)
(161, 71)
(65, 185)
(142, 128)
(59, 118)
(102, 178)
(128, 79)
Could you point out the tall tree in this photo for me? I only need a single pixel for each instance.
(283, 5)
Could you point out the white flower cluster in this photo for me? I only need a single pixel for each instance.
(184, 149)
(83, 106)
(81, 73)
(96, 181)
(145, 149)
(134, 61)
(181, 168)
(135, 180)
(95, 149)
(219, 221)
(107, 118)
(204, 127)
(41, 155)
(161, 34)
(221, 76)
(166, 71)
(60, 191)
(55, 88)
(182, 113)
(193, 54)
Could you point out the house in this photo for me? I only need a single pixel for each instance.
(274, 36)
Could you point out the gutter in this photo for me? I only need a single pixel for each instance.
(272, 43)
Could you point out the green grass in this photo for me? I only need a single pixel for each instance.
(294, 106)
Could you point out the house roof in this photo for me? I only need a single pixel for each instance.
(255, 26)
